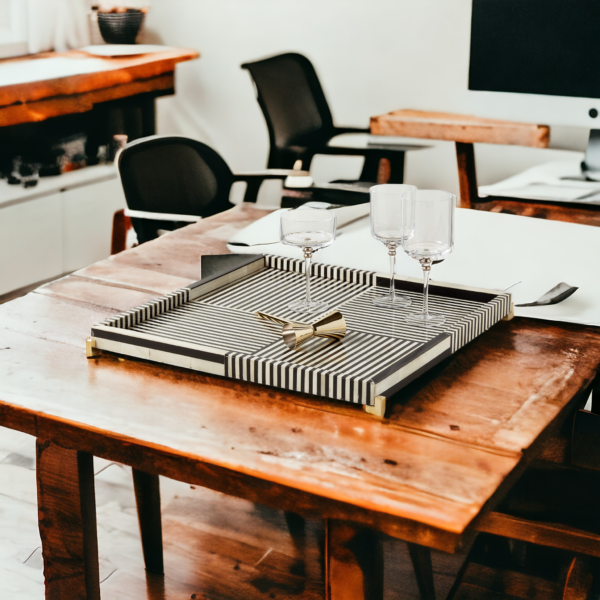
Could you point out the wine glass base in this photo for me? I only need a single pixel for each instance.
(387, 302)
(426, 319)
(303, 306)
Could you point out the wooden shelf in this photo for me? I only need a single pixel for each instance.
(51, 84)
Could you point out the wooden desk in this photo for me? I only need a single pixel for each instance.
(466, 130)
(452, 445)
(41, 86)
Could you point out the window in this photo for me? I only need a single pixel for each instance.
(13, 28)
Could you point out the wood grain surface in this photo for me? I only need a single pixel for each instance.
(67, 521)
(101, 79)
(353, 563)
(422, 475)
(571, 213)
(459, 128)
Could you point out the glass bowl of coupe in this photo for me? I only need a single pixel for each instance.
(310, 230)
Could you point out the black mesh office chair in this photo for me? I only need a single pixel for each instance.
(170, 182)
(300, 122)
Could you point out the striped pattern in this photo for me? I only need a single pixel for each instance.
(465, 319)
(149, 310)
(318, 270)
(271, 290)
(378, 345)
(341, 370)
(212, 326)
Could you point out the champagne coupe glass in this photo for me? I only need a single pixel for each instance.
(311, 230)
(390, 224)
(432, 224)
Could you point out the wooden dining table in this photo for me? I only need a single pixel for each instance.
(432, 472)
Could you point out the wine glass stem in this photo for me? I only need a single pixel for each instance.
(392, 253)
(426, 266)
(307, 257)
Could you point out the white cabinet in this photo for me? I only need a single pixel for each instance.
(63, 224)
(30, 242)
(87, 216)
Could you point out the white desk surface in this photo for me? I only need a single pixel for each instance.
(555, 181)
(491, 251)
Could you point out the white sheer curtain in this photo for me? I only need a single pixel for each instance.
(57, 25)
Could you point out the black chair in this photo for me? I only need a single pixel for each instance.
(300, 122)
(171, 181)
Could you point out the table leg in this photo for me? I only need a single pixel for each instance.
(421, 560)
(147, 498)
(580, 579)
(67, 522)
(467, 175)
(353, 562)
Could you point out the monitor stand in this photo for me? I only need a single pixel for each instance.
(590, 167)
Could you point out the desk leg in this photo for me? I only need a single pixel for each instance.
(467, 175)
(353, 563)
(147, 498)
(67, 522)
(421, 560)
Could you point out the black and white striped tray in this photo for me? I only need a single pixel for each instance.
(210, 326)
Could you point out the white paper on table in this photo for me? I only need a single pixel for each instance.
(544, 191)
(556, 181)
(491, 251)
(266, 230)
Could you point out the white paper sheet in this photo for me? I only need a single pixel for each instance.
(266, 229)
(491, 250)
(555, 181)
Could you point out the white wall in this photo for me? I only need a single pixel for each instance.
(372, 56)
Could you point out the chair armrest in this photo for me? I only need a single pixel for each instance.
(154, 216)
(342, 130)
(254, 179)
(269, 174)
(370, 149)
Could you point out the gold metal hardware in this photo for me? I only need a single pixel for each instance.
(90, 348)
(379, 409)
(332, 325)
(511, 315)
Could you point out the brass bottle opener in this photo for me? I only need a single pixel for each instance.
(332, 325)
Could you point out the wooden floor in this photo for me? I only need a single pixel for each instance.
(217, 547)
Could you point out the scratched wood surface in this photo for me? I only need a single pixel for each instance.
(579, 213)
(99, 80)
(459, 128)
(423, 474)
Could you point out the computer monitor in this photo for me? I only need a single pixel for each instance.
(543, 56)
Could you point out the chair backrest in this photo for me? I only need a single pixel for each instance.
(176, 175)
(292, 100)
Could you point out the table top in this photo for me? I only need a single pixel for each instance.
(459, 128)
(40, 86)
(446, 448)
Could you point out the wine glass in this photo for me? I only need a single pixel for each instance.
(389, 222)
(311, 230)
(431, 222)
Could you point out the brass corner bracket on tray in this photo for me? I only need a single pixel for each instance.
(90, 348)
(511, 315)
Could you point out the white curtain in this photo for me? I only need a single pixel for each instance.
(58, 25)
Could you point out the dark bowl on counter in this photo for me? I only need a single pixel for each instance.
(121, 27)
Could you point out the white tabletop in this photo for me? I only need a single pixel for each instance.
(491, 251)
